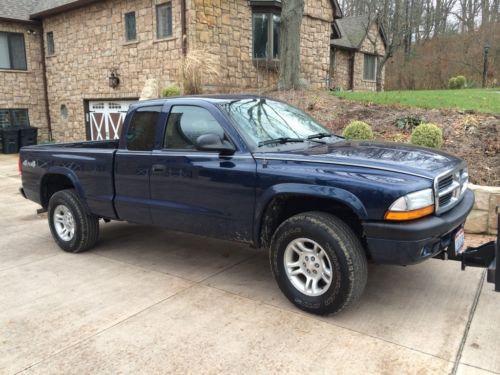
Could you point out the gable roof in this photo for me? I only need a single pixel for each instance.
(353, 31)
(16, 10)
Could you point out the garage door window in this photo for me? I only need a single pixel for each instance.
(14, 118)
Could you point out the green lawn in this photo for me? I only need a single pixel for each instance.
(481, 100)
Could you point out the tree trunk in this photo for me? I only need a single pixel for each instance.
(291, 20)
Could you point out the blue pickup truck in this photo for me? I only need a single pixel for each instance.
(256, 170)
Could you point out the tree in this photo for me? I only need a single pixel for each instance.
(291, 21)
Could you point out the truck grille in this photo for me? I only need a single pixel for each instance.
(449, 188)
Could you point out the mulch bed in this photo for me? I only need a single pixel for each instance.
(471, 136)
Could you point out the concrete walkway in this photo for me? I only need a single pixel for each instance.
(151, 301)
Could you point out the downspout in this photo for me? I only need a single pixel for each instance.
(184, 27)
(44, 81)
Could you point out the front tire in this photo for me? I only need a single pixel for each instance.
(73, 229)
(318, 262)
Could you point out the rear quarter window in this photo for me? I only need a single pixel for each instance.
(142, 130)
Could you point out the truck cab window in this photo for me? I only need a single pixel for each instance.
(186, 123)
(142, 130)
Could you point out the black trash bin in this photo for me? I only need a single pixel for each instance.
(28, 137)
(10, 141)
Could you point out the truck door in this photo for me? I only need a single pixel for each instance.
(197, 191)
(133, 166)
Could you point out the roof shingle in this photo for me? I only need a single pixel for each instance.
(352, 30)
(18, 10)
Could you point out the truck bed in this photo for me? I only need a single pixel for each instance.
(88, 165)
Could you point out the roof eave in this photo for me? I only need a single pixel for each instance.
(60, 9)
(16, 20)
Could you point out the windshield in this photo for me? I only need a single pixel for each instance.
(264, 120)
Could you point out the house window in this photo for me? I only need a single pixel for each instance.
(130, 27)
(14, 118)
(51, 48)
(266, 36)
(369, 67)
(12, 51)
(164, 20)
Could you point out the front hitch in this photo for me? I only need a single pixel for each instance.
(486, 255)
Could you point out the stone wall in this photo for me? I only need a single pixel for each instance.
(24, 89)
(224, 28)
(341, 76)
(372, 44)
(89, 42)
(483, 218)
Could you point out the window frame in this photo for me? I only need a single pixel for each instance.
(270, 12)
(11, 117)
(51, 45)
(125, 23)
(365, 55)
(167, 4)
(9, 51)
(190, 150)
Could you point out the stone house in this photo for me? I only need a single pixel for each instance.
(356, 43)
(89, 59)
(22, 86)
(143, 41)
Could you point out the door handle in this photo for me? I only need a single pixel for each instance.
(158, 168)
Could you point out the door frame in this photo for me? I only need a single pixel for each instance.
(86, 110)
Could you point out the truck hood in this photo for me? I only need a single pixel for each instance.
(395, 157)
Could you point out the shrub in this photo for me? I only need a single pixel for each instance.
(461, 81)
(171, 90)
(457, 82)
(428, 135)
(409, 122)
(358, 130)
(197, 68)
(452, 83)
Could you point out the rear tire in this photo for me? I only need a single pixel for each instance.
(318, 263)
(73, 229)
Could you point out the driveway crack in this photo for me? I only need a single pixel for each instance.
(469, 322)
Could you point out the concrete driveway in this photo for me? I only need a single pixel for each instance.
(152, 301)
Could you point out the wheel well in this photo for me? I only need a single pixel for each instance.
(51, 184)
(285, 206)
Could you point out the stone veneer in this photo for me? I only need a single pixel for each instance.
(225, 29)
(341, 70)
(483, 218)
(24, 89)
(89, 42)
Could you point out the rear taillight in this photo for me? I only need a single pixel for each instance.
(20, 166)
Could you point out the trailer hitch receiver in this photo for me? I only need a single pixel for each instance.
(486, 255)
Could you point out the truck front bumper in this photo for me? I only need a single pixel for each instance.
(413, 242)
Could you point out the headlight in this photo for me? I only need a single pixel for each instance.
(412, 206)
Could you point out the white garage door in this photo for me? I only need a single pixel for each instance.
(106, 118)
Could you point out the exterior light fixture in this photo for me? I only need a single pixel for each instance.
(114, 80)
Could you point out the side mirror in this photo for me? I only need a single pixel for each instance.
(212, 142)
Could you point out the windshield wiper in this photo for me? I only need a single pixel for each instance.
(319, 136)
(281, 140)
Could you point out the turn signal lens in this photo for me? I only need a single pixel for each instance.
(409, 215)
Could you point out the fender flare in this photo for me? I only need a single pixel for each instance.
(335, 194)
(69, 174)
